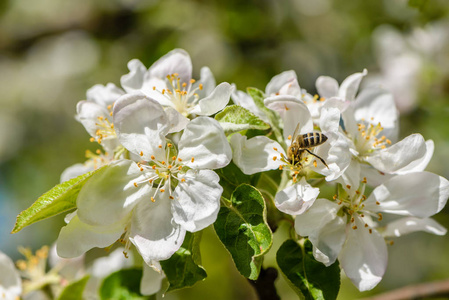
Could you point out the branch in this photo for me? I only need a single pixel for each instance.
(264, 285)
(430, 289)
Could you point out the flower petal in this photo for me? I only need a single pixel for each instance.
(109, 195)
(207, 79)
(141, 125)
(296, 199)
(329, 118)
(419, 165)
(364, 256)
(324, 228)
(77, 237)
(197, 200)
(151, 281)
(104, 95)
(256, 154)
(176, 61)
(350, 86)
(326, 86)
(277, 82)
(204, 140)
(215, 102)
(75, 171)
(176, 121)
(378, 106)
(410, 224)
(420, 194)
(153, 231)
(10, 282)
(134, 79)
(246, 101)
(114, 261)
(399, 155)
(292, 112)
(88, 113)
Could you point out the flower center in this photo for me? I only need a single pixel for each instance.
(368, 140)
(105, 129)
(182, 95)
(162, 174)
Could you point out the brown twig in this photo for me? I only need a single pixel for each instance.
(419, 291)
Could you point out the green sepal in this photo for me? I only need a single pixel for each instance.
(308, 278)
(74, 290)
(123, 285)
(184, 268)
(59, 199)
(236, 118)
(242, 227)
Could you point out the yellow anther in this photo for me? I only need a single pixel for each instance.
(180, 168)
(154, 88)
(275, 149)
(141, 153)
(294, 179)
(348, 186)
(354, 227)
(183, 180)
(289, 137)
(173, 158)
(135, 184)
(152, 157)
(92, 139)
(388, 142)
(314, 163)
(281, 167)
(377, 202)
(370, 231)
(163, 162)
(109, 107)
(380, 217)
(111, 113)
(364, 180)
(98, 151)
(153, 167)
(101, 118)
(176, 74)
(169, 145)
(141, 169)
(162, 190)
(192, 81)
(179, 159)
(193, 159)
(152, 199)
(163, 91)
(357, 192)
(366, 225)
(160, 146)
(171, 197)
(200, 86)
(184, 84)
(125, 253)
(275, 157)
(391, 243)
(352, 219)
(169, 166)
(335, 197)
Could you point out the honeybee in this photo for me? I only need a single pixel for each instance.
(302, 143)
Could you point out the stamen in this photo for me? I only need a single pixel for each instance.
(193, 159)
(275, 157)
(141, 153)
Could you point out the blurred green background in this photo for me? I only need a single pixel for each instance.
(52, 51)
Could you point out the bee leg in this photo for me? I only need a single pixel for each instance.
(322, 160)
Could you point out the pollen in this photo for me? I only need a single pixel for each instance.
(162, 190)
(183, 180)
(153, 167)
(334, 197)
(141, 153)
(289, 137)
(377, 203)
(314, 163)
(200, 86)
(152, 157)
(135, 184)
(281, 167)
(380, 217)
(152, 199)
(364, 180)
(160, 146)
(192, 81)
(354, 227)
(154, 88)
(179, 159)
(370, 231)
(171, 197)
(184, 84)
(193, 159)
(275, 149)
(173, 158)
(98, 151)
(92, 139)
(348, 186)
(169, 145)
(275, 157)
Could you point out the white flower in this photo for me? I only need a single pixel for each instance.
(261, 153)
(371, 125)
(10, 282)
(95, 114)
(153, 202)
(347, 227)
(169, 81)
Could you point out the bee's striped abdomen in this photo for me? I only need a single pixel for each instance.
(312, 139)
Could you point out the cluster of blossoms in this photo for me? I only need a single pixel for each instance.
(154, 179)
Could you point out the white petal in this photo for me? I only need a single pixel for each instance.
(151, 281)
(326, 86)
(420, 194)
(351, 176)
(336, 154)
(277, 82)
(104, 95)
(291, 88)
(204, 140)
(292, 112)
(214, 102)
(373, 176)
(75, 171)
(377, 106)
(324, 228)
(410, 224)
(399, 155)
(329, 119)
(88, 114)
(10, 281)
(114, 261)
(256, 154)
(153, 231)
(207, 79)
(350, 86)
(176, 61)
(176, 121)
(296, 199)
(364, 256)
(76, 238)
(141, 125)
(109, 195)
(134, 79)
(419, 165)
(197, 200)
(69, 268)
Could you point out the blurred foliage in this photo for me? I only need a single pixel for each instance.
(52, 51)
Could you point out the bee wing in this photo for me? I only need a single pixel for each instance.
(295, 133)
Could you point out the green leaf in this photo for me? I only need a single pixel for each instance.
(258, 97)
(122, 285)
(242, 227)
(231, 177)
(184, 268)
(74, 291)
(236, 118)
(307, 276)
(59, 199)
